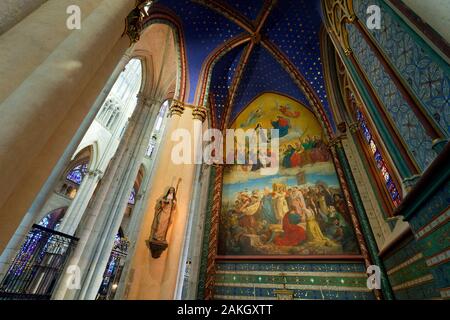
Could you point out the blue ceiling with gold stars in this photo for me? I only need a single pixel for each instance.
(204, 30)
(264, 74)
(221, 78)
(292, 26)
(248, 8)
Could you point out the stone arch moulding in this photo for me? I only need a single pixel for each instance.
(202, 91)
(148, 74)
(159, 14)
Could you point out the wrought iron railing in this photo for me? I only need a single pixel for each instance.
(38, 265)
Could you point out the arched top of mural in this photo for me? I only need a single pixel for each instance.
(272, 103)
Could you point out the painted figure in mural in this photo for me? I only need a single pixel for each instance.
(267, 211)
(288, 153)
(283, 125)
(297, 201)
(288, 111)
(313, 231)
(293, 234)
(339, 205)
(253, 118)
(280, 204)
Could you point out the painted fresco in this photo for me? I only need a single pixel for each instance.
(297, 211)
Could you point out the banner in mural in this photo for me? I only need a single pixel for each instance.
(298, 211)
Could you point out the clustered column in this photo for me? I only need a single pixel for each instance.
(105, 212)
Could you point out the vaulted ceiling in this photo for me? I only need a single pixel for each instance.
(264, 45)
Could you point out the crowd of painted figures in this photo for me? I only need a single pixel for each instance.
(304, 151)
(308, 150)
(287, 216)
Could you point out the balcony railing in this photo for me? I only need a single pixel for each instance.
(38, 265)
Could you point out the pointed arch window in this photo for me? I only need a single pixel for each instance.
(77, 174)
(379, 160)
(132, 198)
(369, 142)
(73, 179)
(109, 114)
(157, 129)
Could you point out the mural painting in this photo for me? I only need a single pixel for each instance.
(299, 210)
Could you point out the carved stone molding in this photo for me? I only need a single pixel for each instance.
(176, 109)
(200, 113)
(134, 22)
(337, 140)
(354, 127)
(338, 13)
(96, 173)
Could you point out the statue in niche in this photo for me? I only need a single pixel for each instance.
(165, 210)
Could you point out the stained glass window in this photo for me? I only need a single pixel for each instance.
(379, 161)
(132, 199)
(77, 174)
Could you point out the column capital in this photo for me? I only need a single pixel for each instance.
(141, 98)
(354, 127)
(95, 173)
(177, 109)
(199, 113)
(153, 100)
(409, 183)
(336, 141)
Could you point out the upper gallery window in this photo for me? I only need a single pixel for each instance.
(379, 160)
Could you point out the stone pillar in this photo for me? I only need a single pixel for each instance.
(12, 11)
(106, 210)
(78, 206)
(195, 211)
(117, 201)
(49, 91)
(190, 264)
(151, 278)
(139, 210)
(360, 221)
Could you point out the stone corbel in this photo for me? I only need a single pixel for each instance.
(337, 140)
(338, 13)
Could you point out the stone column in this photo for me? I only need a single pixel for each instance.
(118, 200)
(139, 211)
(32, 214)
(151, 278)
(12, 11)
(199, 116)
(363, 231)
(190, 264)
(78, 206)
(49, 91)
(106, 210)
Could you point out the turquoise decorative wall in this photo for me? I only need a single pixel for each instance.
(431, 227)
(408, 273)
(306, 281)
(425, 73)
(411, 131)
(205, 241)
